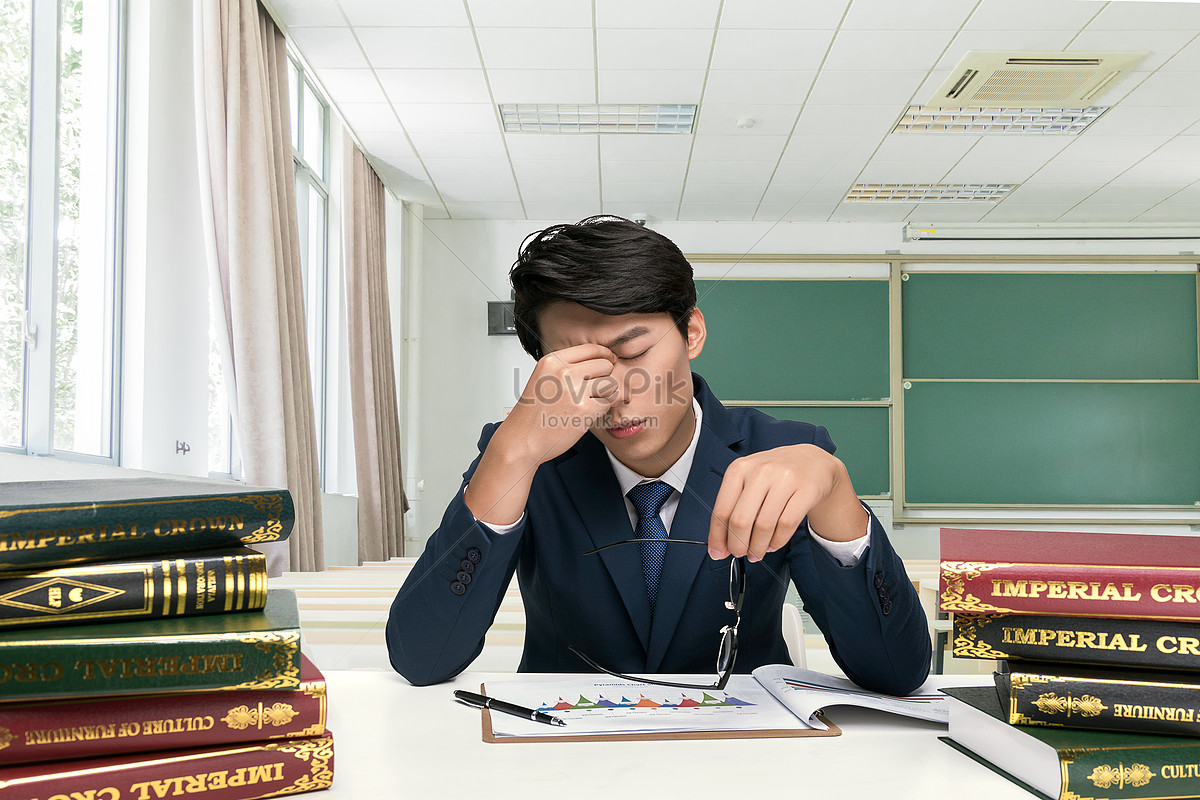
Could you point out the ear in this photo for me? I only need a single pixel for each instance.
(696, 333)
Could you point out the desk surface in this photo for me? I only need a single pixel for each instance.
(395, 740)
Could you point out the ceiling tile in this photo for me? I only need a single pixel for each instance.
(458, 145)
(950, 212)
(543, 85)
(1050, 193)
(757, 87)
(459, 170)
(1189, 194)
(408, 169)
(641, 192)
(580, 172)
(661, 86)
(1148, 17)
(716, 120)
(1005, 40)
(536, 48)
(1165, 89)
(662, 14)
(560, 191)
(654, 211)
(1018, 147)
(717, 211)
(447, 117)
(794, 212)
(1167, 173)
(839, 174)
(1149, 121)
(645, 147)
(1186, 60)
(992, 171)
(329, 48)
(738, 148)
(1181, 148)
(877, 171)
(472, 190)
(866, 88)
(884, 50)
(924, 147)
(1171, 212)
(409, 13)
(419, 48)
(770, 49)
(1118, 91)
(821, 120)
(308, 13)
(550, 147)
(888, 15)
(1100, 212)
(774, 15)
(872, 212)
(434, 85)
(1093, 172)
(999, 15)
(417, 191)
(374, 117)
(730, 171)
(351, 85)
(653, 49)
(485, 210)
(1133, 193)
(1161, 44)
(820, 148)
(780, 194)
(696, 192)
(1008, 211)
(1126, 149)
(387, 145)
(560, 211)
(531, 13)
(644, 171)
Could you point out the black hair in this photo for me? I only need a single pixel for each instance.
(604, 263)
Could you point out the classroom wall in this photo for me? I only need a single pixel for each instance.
(465, 378)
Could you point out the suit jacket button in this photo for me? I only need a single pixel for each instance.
(474, 556)
(458, 587)
(878, 579)
(887, 607)
(466, 566)
(464, 577)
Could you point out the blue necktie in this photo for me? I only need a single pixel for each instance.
(648, 499)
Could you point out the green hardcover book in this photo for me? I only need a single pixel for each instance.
(185, 584)
(250, 650)
(48, 523)
(1105, 698)
(1066, 764)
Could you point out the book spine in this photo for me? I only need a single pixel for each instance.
(1131, 773)
(87, 728)
(1071, 590)
(52, 535)
(212, 582)
(49, 668)
(1085, 640)
(1147, 706)
(235, 772)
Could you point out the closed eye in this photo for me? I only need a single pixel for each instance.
(636, 357)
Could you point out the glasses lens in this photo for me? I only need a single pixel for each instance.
(737, 582)
(728, 648)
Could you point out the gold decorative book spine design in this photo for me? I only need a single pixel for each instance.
(319, 755)
(285, 670)
(966, 640)
(1106, 776)
(1051, 703)
(955, 597)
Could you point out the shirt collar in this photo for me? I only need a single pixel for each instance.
(675, 476)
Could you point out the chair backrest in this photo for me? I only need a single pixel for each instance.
(793, 634)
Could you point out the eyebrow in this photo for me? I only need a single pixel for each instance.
(627, 336)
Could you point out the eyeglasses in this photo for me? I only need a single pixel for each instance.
(726, 655)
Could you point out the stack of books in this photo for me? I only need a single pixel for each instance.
(1097, 642)
(141, 652)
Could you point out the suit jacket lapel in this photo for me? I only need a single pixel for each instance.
(692, 520)
(593, 488)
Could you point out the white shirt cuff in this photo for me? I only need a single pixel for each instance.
(846, 553)
(500, 529)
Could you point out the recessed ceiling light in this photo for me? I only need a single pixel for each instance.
(604, 118)
(928, 119)
(928, 192)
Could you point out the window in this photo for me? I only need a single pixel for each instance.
(58, 217)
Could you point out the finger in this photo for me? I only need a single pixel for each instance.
(718, 528)
(789, 522)
(582, 352)
(767, 521)
(743, 518)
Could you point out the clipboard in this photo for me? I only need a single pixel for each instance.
(768, 733)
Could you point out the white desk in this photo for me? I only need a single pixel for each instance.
(393, 740)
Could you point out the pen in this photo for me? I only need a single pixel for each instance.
(483, 701)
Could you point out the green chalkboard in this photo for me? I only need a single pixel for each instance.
(1052, 443)
(795, 339)
(861, 436)
(1138, 326)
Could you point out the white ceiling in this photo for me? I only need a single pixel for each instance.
(824, 81)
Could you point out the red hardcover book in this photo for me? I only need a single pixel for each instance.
(226, 772)
(1113, 575)
(90, 727)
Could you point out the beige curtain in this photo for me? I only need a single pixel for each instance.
(381, 501)
(254, 248)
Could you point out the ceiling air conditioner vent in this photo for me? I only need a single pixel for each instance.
(999, 79)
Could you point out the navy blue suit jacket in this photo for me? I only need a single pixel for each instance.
(869, 613)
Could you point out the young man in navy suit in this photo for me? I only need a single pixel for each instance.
(611, 416)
